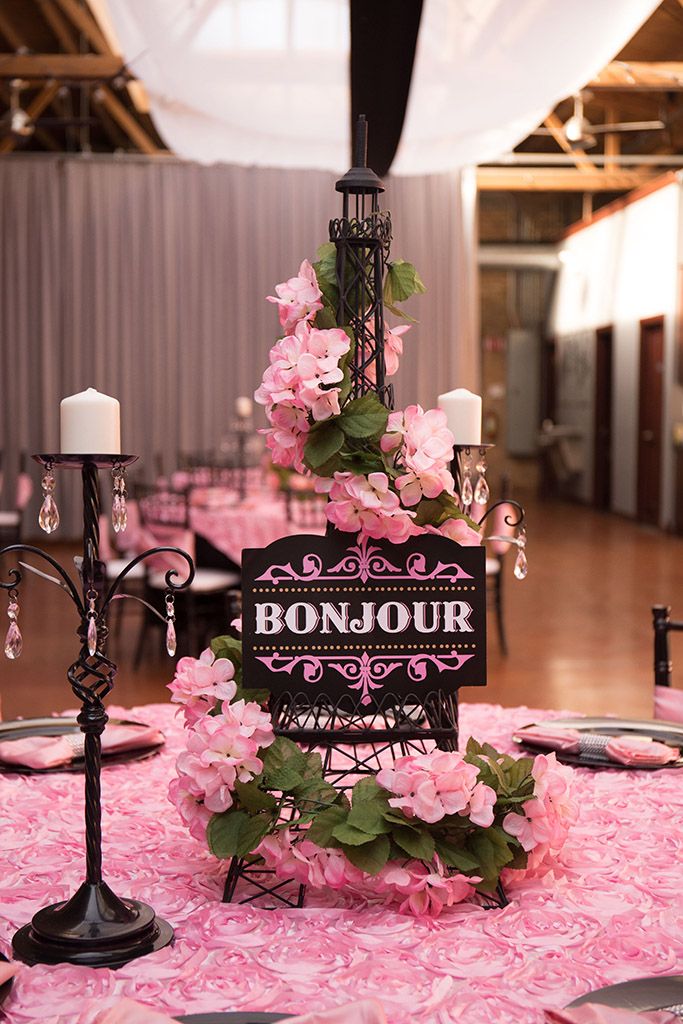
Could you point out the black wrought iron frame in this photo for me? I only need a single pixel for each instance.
(94, 927)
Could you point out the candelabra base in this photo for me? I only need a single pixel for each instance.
(94, 929)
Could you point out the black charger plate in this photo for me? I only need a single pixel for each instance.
(7, 987)
(22, 728)
(654, 729)
(640, 995)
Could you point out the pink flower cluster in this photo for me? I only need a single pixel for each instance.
(367, 505)
(430, 786)
(200, 683)
(298, 298)
(425, 448)
(420, 889)
(544, 823)
(222, 748)
(393, 350)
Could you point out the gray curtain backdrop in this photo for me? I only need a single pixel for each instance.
(146, 278)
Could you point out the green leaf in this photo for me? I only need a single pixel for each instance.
(416, 844)
(325, 318)
(455, 856)
(351, 836)
(364, 417)
(325, 265)
(324, 824)
(401, 281)
(284, 765)
(322, 443)
(369, 804)
(401, 313)
(370, 857)
(227, 647)
(236, 833)
(428, 512)
(259, 696)
(254, 799)
(363, 462)
(314, 792)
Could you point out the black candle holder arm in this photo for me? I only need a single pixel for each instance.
(509, 519)
(17, 576)
(169, 577)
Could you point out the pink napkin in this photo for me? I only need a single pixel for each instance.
(8, 971)
(668, 704)
(367, 1011)
(52, 751)
(635, 750)
(553, 737)
(594, 1013)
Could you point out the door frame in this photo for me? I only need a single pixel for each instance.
(605, 330)
(645, 322)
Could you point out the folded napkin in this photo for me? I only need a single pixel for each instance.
(127, 1011)
(7, 971)
(595, 1013)
(53, 751)
(626, 750)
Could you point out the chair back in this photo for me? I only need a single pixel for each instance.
(668, 702)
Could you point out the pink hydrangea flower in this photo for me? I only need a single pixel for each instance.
(423, 890)
(393, 348)
(287, 437)
(428, 441)
(368, 505)
(298, 298)
(188, 801)
(413, 487)
(430, 786)
(200, 683)
(459, 531)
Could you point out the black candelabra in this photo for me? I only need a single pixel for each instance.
(95, 927)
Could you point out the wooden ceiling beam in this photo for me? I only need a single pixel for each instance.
(59, 25)
(125, 120)
(34, 110)
(9, 31)
(640, 75)
(82, 20)
(559, 179)
(554, 126)
(66, 66)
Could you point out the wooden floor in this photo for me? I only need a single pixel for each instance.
(579, 626)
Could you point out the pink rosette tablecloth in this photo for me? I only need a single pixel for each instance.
(252, 524)
(612, 910)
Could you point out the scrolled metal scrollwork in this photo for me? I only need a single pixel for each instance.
(508, 519)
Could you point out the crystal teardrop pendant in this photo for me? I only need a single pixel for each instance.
(481, 491)
(123, 513)
(48, 517)
(521, 565)
(116, 512)
(467, 495)
(92, 635)
(13, 642)
(171, 640)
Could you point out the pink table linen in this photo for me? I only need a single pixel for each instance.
(255, 523)
(613, 910)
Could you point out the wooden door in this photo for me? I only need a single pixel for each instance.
(602, 445)
(650, 419)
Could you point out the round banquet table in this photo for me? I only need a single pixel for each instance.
(247, 525)
(612, 910)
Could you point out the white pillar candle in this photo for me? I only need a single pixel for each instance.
(463, 414)
(90, 424)
(244, 407)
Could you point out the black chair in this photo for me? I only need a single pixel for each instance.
(208, 606)
(663, 624)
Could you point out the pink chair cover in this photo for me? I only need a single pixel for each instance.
(24, 491)
(668, 704)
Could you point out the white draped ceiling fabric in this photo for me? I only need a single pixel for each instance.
(265, 82)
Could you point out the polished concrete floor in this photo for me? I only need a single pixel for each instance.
(579, 626)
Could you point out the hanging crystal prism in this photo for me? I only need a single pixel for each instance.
(171, 639)
(13, 640)
(119, 510)
(481, 491)
(466, 492)
(521, 564)
(91, 637)
(48, 517)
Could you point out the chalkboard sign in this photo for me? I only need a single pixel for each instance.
(329, 615)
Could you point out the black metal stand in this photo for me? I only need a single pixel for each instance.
(94, 928)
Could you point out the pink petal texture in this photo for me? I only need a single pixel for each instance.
(609, 910)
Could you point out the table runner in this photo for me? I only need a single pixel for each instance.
(612, 911)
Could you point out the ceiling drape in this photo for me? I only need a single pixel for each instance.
(266, 82)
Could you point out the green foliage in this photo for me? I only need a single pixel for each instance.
(284, 765)
(370, 857)
(324, 441)
(419, 844)
(253, 799)
(402, 280)
(228, 647)
(364, 417)
(236, 833)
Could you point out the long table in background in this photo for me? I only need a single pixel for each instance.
(611, 911)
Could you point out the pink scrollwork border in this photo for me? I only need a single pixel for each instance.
(363, 562)
(364, 672)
